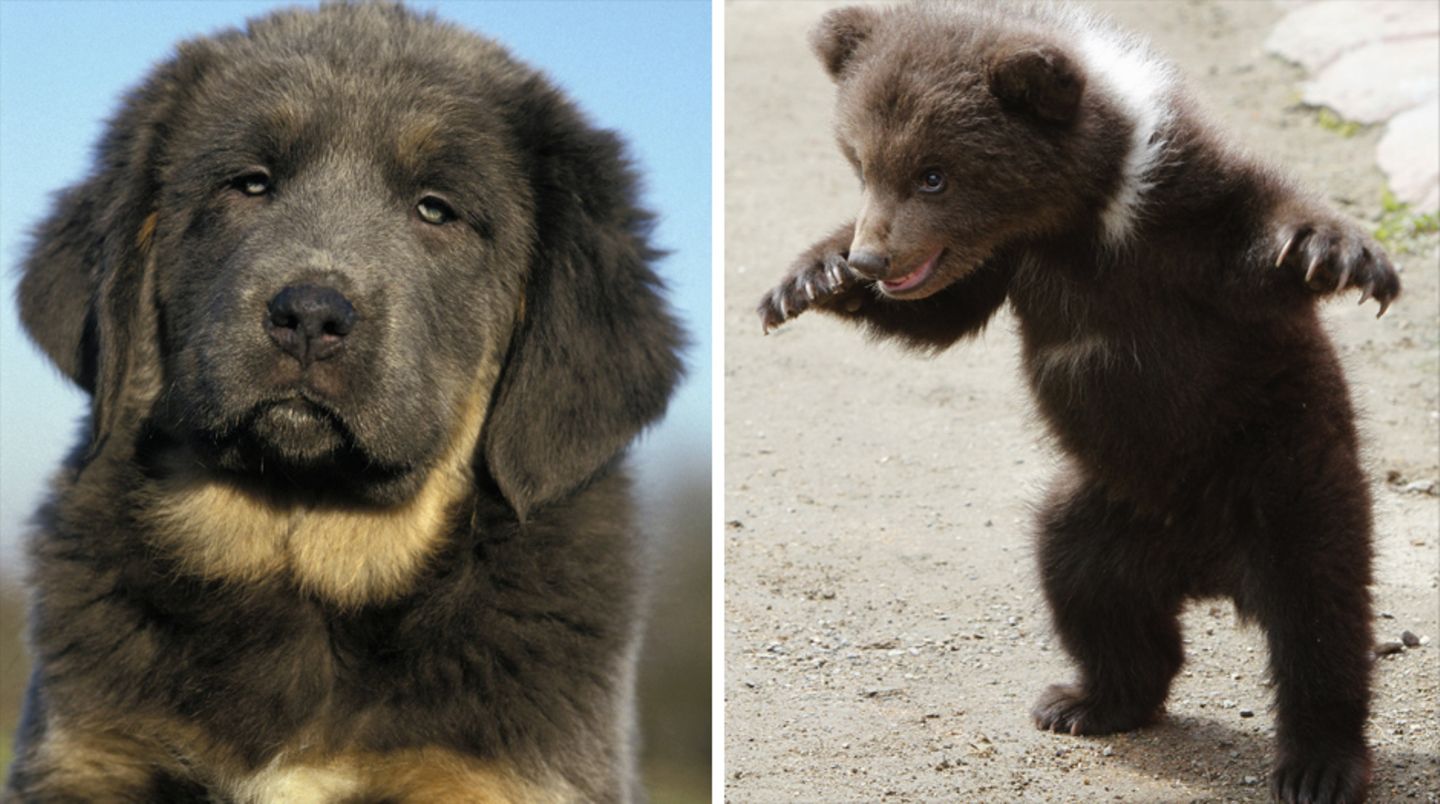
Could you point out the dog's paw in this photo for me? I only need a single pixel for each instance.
(813, 281)
(1320, 780)
(1067, 709)
(1334, 256)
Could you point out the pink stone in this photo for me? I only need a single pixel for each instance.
(1374, 82)
(1315, 34)
(1410, 156)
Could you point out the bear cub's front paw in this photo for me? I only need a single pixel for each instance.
(814, 280)
(1336, 256)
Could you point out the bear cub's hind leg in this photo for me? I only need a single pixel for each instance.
(1308, 590)
(1115, 609)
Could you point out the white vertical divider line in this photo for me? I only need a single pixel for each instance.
(717, 402)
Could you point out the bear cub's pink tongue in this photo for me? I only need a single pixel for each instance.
(915, 277)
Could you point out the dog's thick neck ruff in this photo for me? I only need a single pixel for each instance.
(346, 555)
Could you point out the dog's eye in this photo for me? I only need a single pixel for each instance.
(434, 211)
(253, 184)
(932, 181)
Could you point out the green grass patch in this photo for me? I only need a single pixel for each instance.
(1330, 121)
(1400, 229)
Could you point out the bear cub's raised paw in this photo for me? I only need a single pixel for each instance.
(1336, 256)
(815, 279)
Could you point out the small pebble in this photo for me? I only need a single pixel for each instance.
(1410, 640)
(1421, 487)
(1247, 713)
(1387, 648)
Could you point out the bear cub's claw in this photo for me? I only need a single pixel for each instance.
(1065, 708)
(1337, 256)
(1320, 780)
(812, 282)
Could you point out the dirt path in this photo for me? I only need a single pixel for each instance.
(885, 636)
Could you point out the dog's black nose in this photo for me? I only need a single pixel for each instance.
(868, 263)
(309, 323)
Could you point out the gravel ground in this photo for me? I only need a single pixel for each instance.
(884, 633)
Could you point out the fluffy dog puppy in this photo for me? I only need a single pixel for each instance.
(367, 314)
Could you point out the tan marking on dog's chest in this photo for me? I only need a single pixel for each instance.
(88, 763)
(350, 556)
(299, 784)
(414, 776)
(109, 758)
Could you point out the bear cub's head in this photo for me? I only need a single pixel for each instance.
(967, 132)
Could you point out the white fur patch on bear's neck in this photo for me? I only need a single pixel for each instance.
(1140, 84)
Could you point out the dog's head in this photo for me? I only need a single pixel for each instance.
(321, 249)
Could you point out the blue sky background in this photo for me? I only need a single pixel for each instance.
(641, 68)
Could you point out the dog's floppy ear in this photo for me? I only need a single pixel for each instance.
(84, 294)
(60, 279)
(839, 34)
(595, 354)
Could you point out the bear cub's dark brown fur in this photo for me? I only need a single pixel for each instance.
(1165, 287)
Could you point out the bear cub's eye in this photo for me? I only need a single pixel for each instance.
(254, 183)
(932, 181)
(434, 211)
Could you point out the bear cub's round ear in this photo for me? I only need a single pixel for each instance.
(1037, 79)
(839, 34)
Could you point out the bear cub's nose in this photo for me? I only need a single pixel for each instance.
(309, 323)
(869, 263)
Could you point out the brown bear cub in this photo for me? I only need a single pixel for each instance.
(1165, 288)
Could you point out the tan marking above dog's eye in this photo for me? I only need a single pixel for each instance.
(434, 211)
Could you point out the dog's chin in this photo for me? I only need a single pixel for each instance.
(296, 448)
(298, 435)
